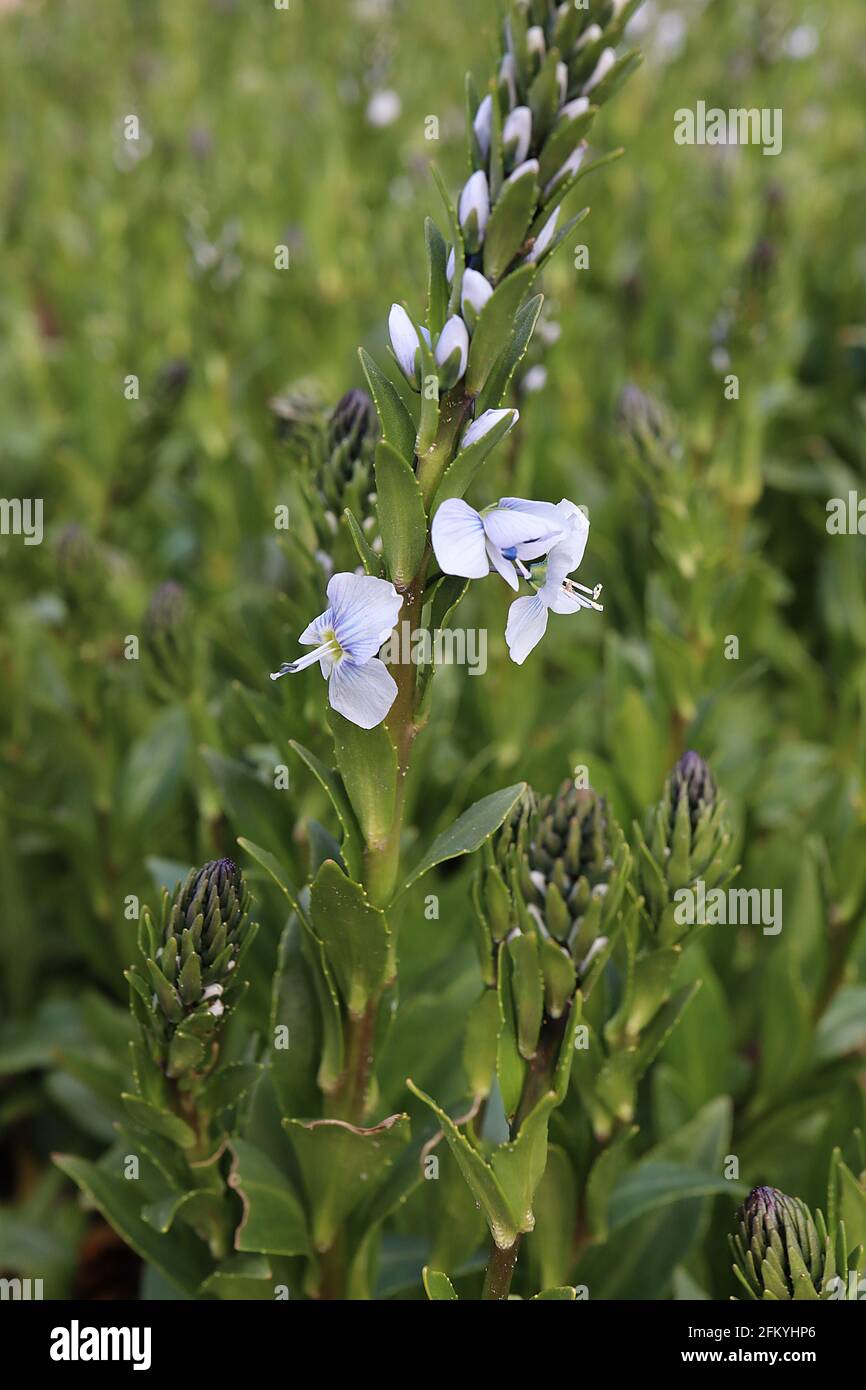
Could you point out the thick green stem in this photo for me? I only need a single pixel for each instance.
(349, 1101)
(500, 1271)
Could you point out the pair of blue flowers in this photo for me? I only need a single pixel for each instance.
(538, 542)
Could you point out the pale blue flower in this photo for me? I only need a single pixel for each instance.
(554, 591)
(504, 538)
(347, 636)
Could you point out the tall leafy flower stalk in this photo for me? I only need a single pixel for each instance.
(441, 414)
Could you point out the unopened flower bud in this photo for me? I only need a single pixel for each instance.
(474, 210)
(779, 1250)
(452, 352)
(190, 971)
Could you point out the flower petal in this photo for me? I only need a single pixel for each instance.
(524, 532)
(502, 566)
(364, 611)
(314, 633)
(527, 624)
(362, 694)
(458, 540)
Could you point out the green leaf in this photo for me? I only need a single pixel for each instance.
(355, 936)
(199, 1210)
(618, 74)
(842, 1029)
(510, 1066)
(495, 325)
(160, 1121)
(519, 1165)
(565, 1294)
(511, 356)
(543, 97)
(272, 866)
(562, 143)
(852, 1205)
(253, 805)
(369, 559)
(181, 1257)
(428, 423)
(352, 842)
(603, 1177)
(154, 770)
(437, 279)
(638, 1261)
(341, 1164)
(367, 761)
(478, 1174)
(240, 1278)
(527, 990)
(555, 1209)
(398, 427)
(438, 1287)
(481, 1042)
(509, 223)
(402, 519)
(456, 241)
(230, 1084)
(294, 1007)
(469, 831)
(273, 1221)
(564, 187)
(460, 473)
(653, 1184)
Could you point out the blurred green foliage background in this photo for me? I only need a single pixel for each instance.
(155, 258)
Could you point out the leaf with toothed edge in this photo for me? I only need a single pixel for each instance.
(273, 1222)
(343, 1163)
(355, 935)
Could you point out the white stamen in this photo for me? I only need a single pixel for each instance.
(290, 668)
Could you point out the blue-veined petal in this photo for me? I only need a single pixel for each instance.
(527, 624)
(458, 540)
(362, 694)
(364, 611)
